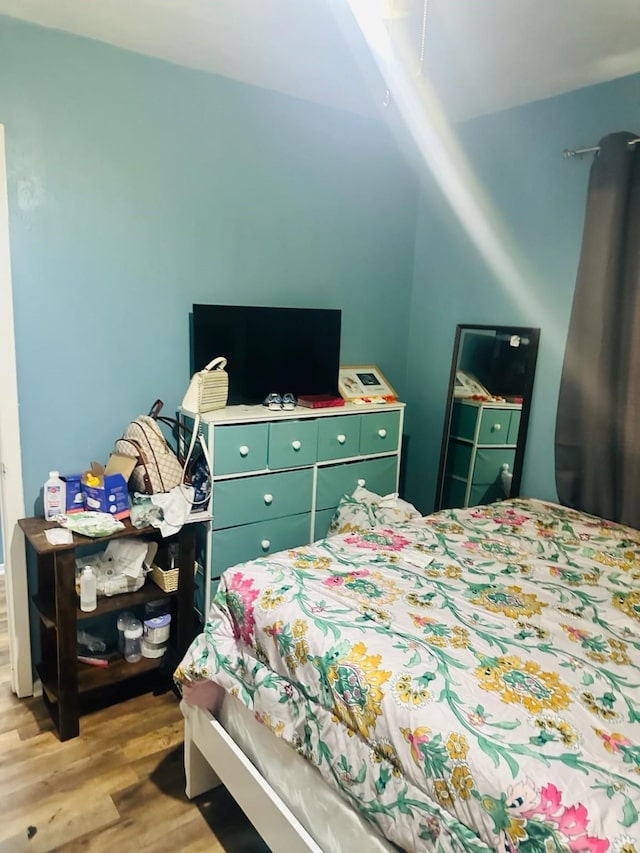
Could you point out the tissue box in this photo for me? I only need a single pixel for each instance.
(75, 498)
(104, 489)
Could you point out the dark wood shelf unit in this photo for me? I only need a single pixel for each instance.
(70, 687)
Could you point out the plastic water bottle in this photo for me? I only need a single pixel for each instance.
(88, 595)
(55, 501)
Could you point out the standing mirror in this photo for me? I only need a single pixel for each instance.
(487, 414)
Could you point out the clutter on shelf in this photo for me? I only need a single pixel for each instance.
(121, 567)
(92, 524)
(100, 489)
(138, 635)
(105, 488)
(166, 489)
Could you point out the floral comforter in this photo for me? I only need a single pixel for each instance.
(469, 680)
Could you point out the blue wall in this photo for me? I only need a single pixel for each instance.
(539, 198)
(137, 188)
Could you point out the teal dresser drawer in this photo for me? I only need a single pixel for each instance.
(454, 492)
(292, 443)
(240, 448)
(514, 426)
(379, 432)
(379, 475)
(484, 494)
(459, 459)
(338, 438)
(494, 426)
(260, 498)
(240, 544)
(489, 462)
(464, 418)
(322, 520)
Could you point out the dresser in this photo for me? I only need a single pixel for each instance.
(279, 476)
(482, 440)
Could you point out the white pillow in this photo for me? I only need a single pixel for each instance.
(364, 510)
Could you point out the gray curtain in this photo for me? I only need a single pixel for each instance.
(598, 421)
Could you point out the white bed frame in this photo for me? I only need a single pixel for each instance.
(213, 757)
(208, 745)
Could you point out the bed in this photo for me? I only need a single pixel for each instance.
(465, 681)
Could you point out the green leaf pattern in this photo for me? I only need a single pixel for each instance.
(470, 681)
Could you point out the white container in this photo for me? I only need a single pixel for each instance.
(88, 593)
(133, 641)
(55, 496)
(153, 650)
(157, 629)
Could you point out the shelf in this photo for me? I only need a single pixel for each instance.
(92, 677)
(106, 604)
(34, 531)
(96, 677)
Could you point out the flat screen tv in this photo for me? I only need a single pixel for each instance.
(269, 350)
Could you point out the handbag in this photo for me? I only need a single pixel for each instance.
(196, 467)
(158, 469)
(208, 389)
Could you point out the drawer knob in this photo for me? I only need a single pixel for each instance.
(244, 450)
(362, 482)
(382, 433)
(296, 444)
(497, 427)
(342, 438)
(265, 544)
(268, 499)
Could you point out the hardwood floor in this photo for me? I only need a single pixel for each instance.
(118, 786)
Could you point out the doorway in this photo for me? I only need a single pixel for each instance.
(11, 489)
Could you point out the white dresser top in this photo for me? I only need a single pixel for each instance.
(254, 414)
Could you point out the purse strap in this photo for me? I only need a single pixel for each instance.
(196, 435)
(155, 410)
(218, 363)
(176, 426)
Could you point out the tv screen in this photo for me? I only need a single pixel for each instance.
(269, 350)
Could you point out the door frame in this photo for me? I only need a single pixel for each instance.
(11, 487)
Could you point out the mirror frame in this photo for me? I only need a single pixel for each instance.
(524, 331)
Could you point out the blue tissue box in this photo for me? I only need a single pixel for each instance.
(74, 496)
(110, 494)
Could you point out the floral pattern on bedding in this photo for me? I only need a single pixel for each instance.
(469, 680)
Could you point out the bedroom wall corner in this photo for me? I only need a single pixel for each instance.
(536, 209)
(137, 188)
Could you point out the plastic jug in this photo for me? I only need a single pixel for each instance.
(55, 502)
(88, 593)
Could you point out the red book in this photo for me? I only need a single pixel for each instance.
(319, 401)
(102, 662)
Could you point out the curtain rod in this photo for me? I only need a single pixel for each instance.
(580, 152)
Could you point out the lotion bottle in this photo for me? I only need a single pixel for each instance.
(55, 502)
(88, 594)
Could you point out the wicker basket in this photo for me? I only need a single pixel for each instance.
(166, 579)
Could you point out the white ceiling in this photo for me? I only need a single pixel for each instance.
(482, 55)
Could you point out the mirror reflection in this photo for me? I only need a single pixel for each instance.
(487, 414)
